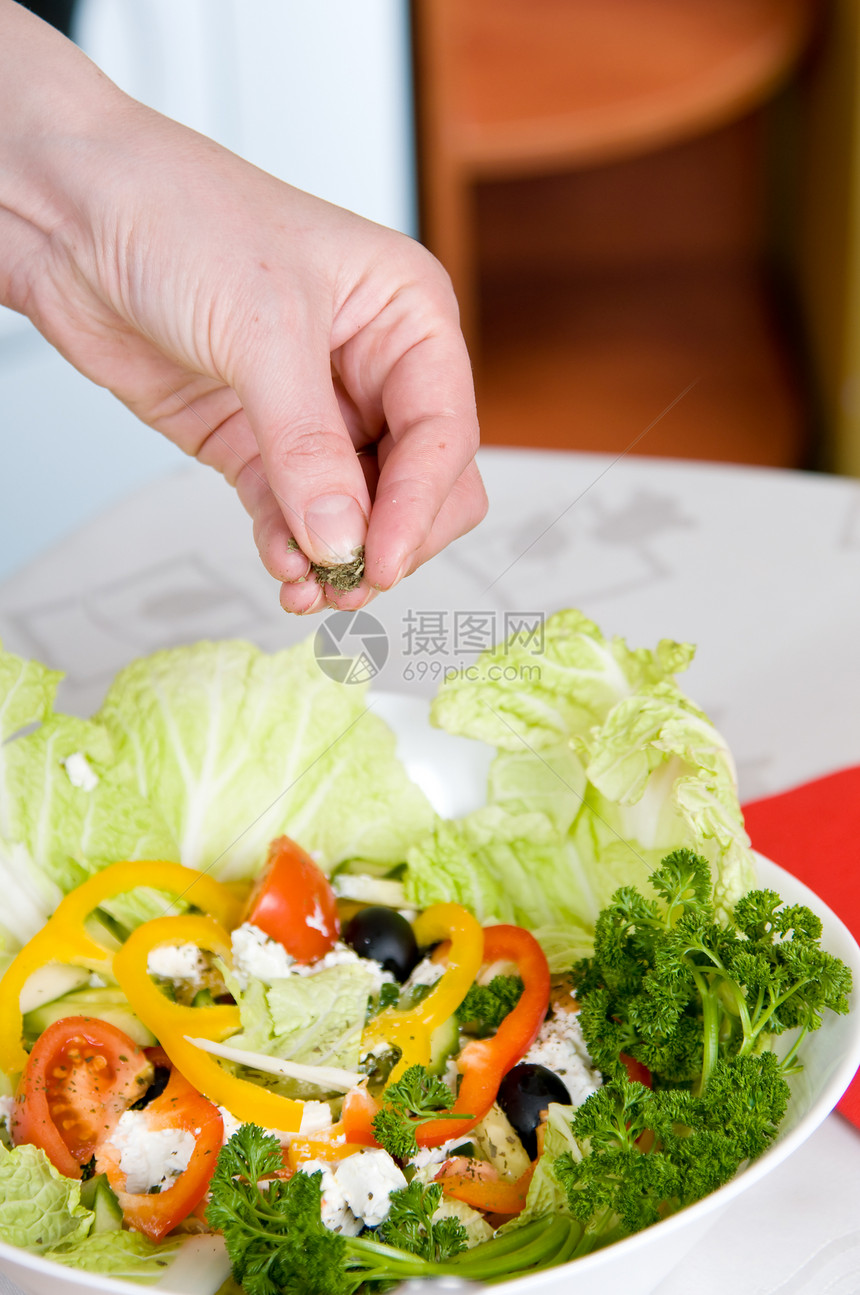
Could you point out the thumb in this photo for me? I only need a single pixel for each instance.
(309, 459)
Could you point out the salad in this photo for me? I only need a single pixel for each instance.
(253, 988)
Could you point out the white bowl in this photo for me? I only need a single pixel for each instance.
(452, 772)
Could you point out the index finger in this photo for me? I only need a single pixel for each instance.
(429, 404)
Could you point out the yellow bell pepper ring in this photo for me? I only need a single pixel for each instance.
(171, 1022)
(412, 1030)
(65, 938)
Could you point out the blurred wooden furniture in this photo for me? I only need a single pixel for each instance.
(592, 176)
(826, 246)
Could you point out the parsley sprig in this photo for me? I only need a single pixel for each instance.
(416, 1098)
(486, 1006)
(678, 990)
(652, 1152)
(278, 1244)
(697, 1001)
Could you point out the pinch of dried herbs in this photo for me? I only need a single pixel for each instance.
(343, 577)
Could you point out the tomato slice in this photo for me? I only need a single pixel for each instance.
(79, 1078)
(293, 903)
(180, 1108)
(637, 1073)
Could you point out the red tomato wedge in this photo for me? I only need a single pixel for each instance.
(637, 1073)
(80, 1077)
(180, 1107)
(293, 903)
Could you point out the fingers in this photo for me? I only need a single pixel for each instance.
(463, 509)
(306, 451)
(434, 435)
(406, 369)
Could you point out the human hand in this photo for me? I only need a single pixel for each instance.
(312, 357)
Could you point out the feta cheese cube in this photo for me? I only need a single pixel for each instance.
(367, 1180)
(150, 1157)
(336, 1214)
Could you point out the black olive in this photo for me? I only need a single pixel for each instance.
(384, 935)
(524, 1094)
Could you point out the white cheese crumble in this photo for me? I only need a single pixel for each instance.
(7, 1106)
(367, 1180)
(231, 1124)
(177, 962)
(335, 1212)
(561, 1048)
(427, 972)
(430, 1157)
(256, 957)
(356, 1191)
(150, 1157)
(316, 1116)
(340, 956)
(79, 772)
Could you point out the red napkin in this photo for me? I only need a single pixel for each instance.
(813, 831)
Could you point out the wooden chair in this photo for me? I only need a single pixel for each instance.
(521, 102)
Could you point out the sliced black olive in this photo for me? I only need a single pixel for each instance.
(524, 1094)
(384, 935)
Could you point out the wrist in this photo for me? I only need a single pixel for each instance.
(55, 105)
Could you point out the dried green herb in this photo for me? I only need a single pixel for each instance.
(343, 577)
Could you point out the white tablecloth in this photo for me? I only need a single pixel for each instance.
(760, 568)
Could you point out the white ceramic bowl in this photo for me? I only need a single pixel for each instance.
(452, 772)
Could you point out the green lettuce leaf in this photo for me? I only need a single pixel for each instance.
(234, 747)
(29, 898)
(39, 1208)
(546, 1195)
(316, 1020)
(56, 829)
(73, 831)
(620, 765)
(664, 778)
(27, 692)
(552, 781)
(536, 694)
(505, 867)
(129, 1255)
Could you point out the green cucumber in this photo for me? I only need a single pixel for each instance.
(96, 1195)
(51, 981)
(108, 1004)
(444, 1042)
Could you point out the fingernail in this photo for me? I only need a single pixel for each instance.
(402, 570)
(336, 527)
(317, 605)
(295, 567)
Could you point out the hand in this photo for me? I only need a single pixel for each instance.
(311, 356)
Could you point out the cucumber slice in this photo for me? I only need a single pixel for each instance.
(108, 1004)
(51, 981)
(444, 1042)
(96, 1195)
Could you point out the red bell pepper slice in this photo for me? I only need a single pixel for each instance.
(483, 1063)
(492, 1195)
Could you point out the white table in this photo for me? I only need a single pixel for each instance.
(761, 568)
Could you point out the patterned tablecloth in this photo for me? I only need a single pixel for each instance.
(760, 568)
